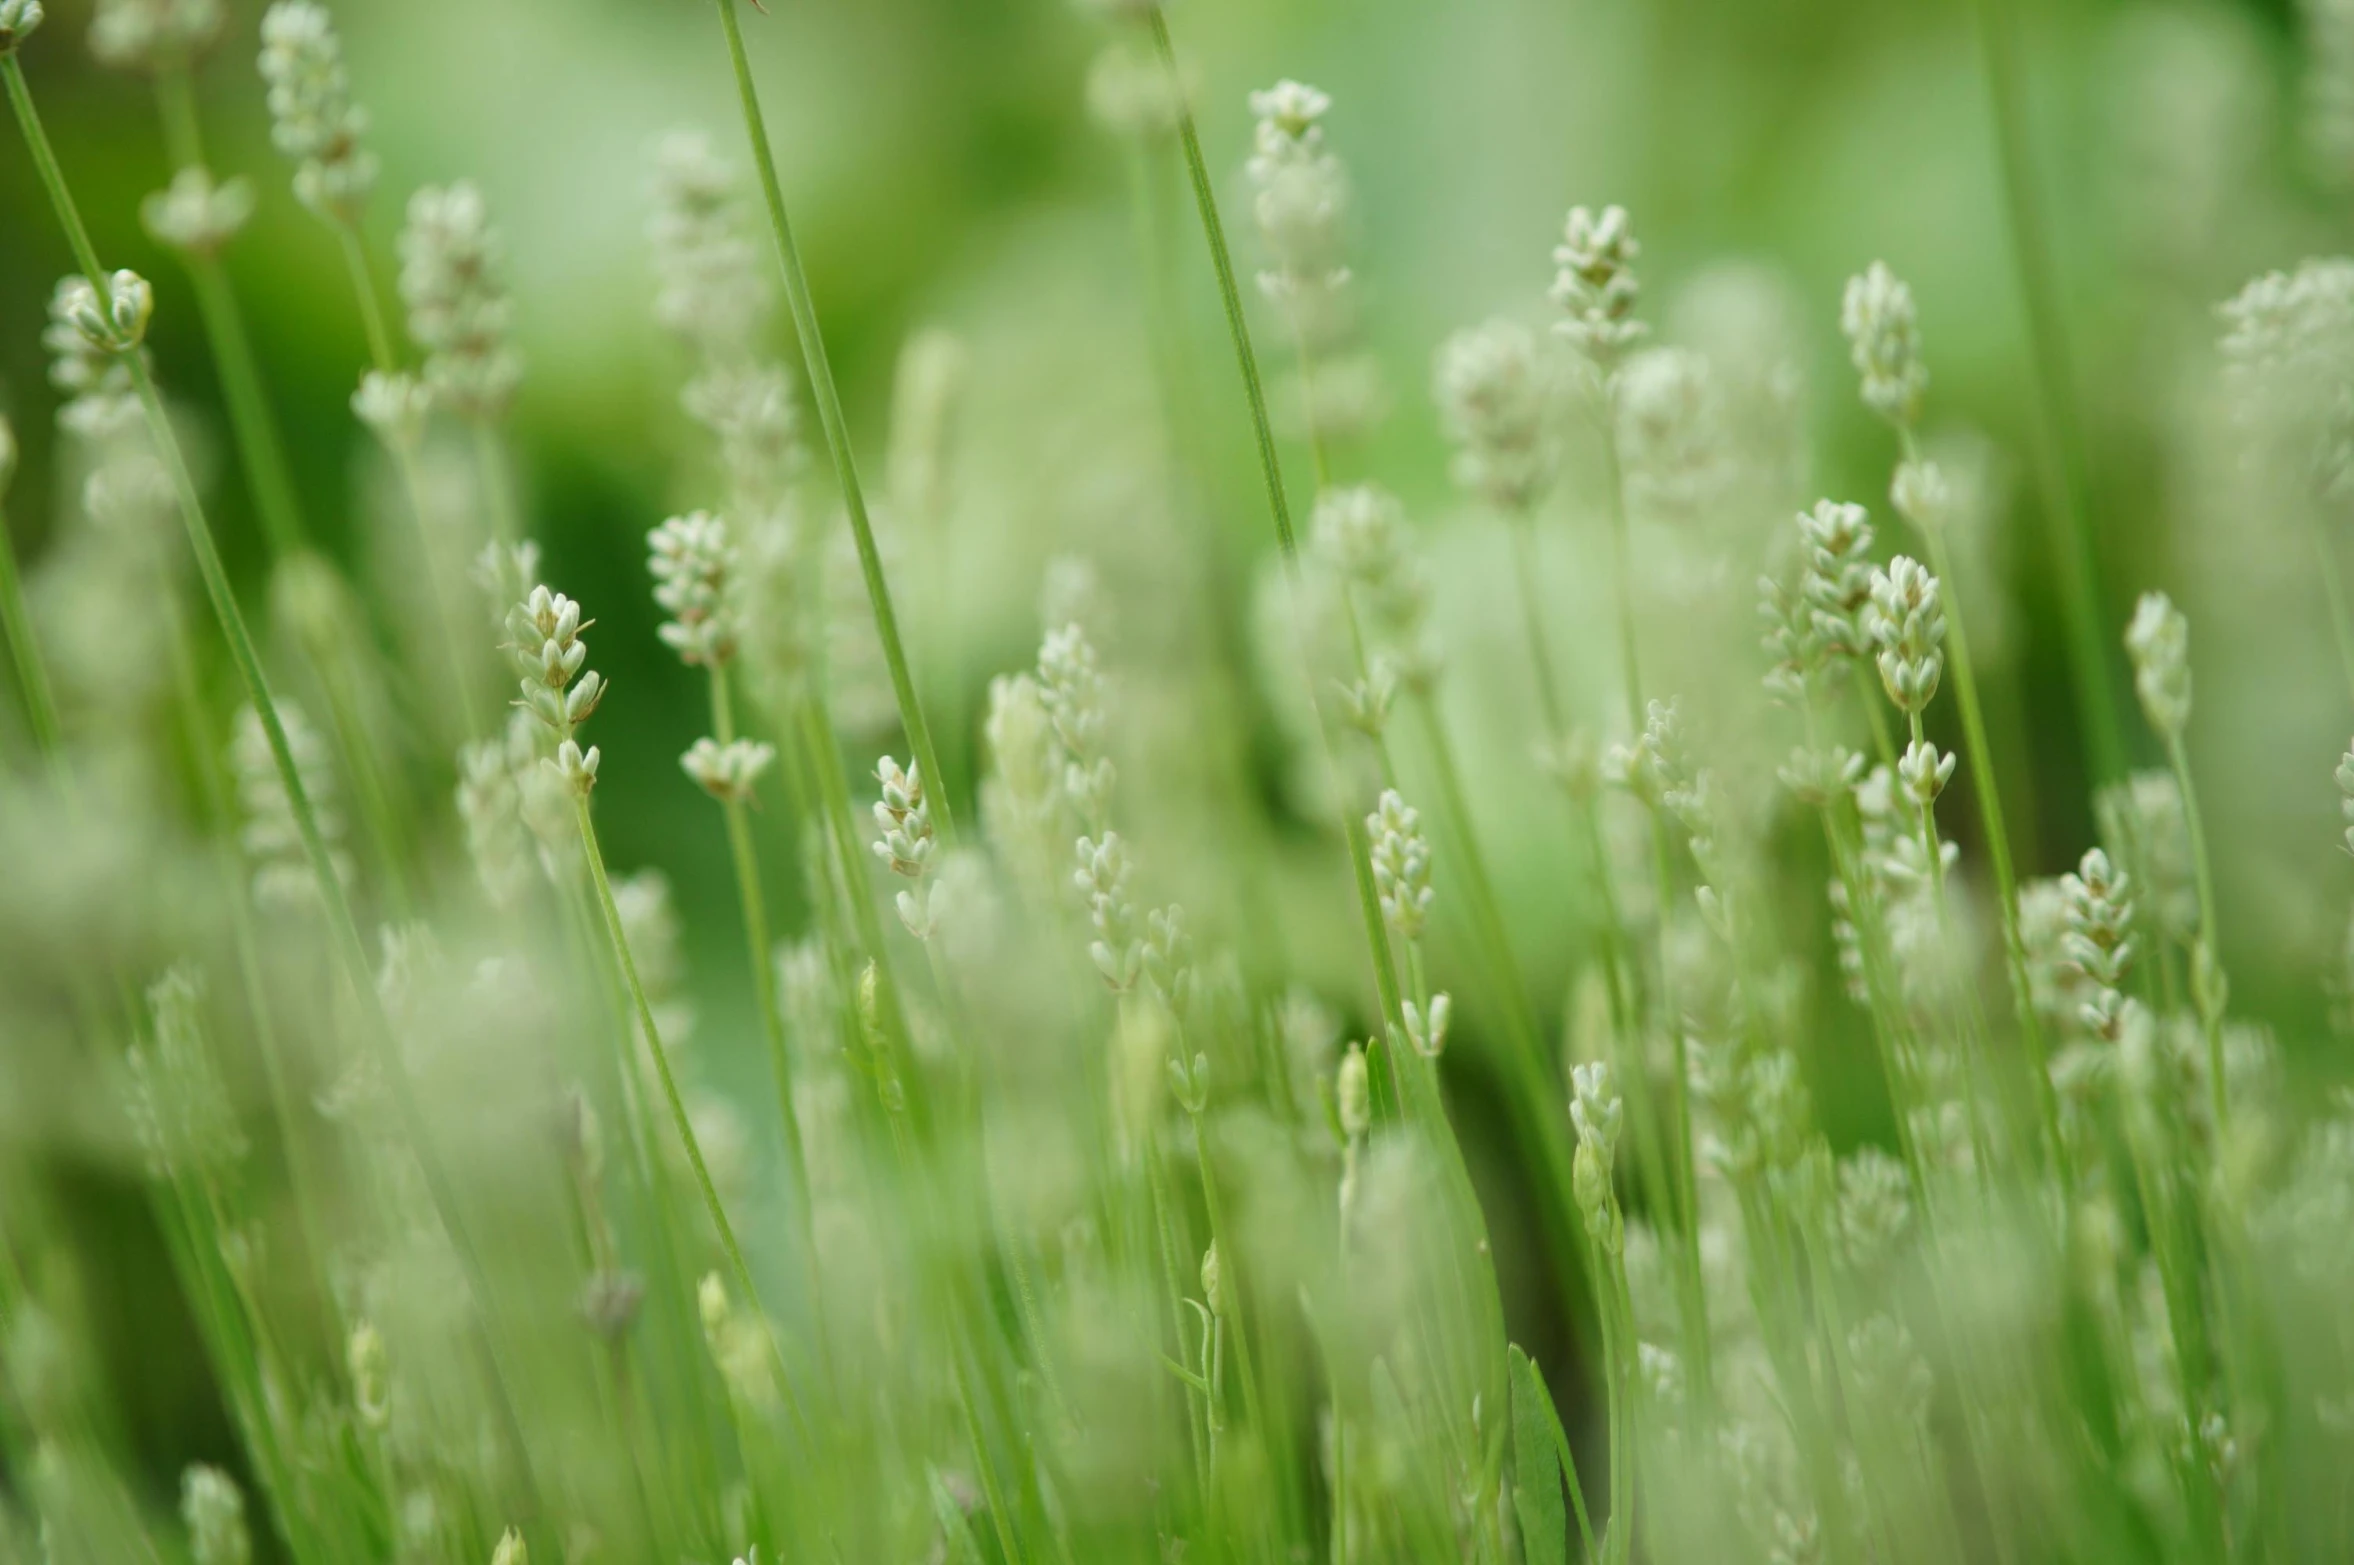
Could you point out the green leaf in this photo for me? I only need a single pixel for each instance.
(1540, 1450)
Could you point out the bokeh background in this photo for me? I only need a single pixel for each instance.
(945, 173)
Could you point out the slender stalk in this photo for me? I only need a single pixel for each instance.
(1990, 816)
(756, 939)
(2060, 471)
(2333, 587)
(1385, 973)
(32, 669)
(680, 1120)
(2209, 1002)
(828, 398)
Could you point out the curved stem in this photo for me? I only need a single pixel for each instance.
(2061, 469)
(2203, 990)
(828, 398)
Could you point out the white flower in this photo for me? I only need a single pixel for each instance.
(195, 214)
(728, 772)
(2158, 642)
(1401, 864)
(458, 311)
(1596, 285)
(312, 117)
(693, 560)
(1884, 340)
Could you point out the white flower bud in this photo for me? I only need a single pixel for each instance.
(728, 772)
(2158, 642)
(1884, 340)
(18, 18)
(1596, 285)
(195, 214)
(312, 117)
(214, 1512)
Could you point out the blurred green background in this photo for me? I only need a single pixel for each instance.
(943, 171)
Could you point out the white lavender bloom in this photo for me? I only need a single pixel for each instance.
(2159, 644)
(100, 398)
(18, 18)
(147, 35)
(728, 772)
(2287, 348)
(1597, 286)
(1837, 583)
(490, 809)
(1072, 686)
(1924, 772)
(394, 406)
(511, 1550)
(1654, 767)
(1671, 423)
(1301, 199)
(271, 837)
(692, 561)
(1499, 394)
(1022, 798)
(459, 311)
(1875, 1210)
(2098, 908)
(1907, 625)
(196, 214)
(1598, 1112)
(214, 1511)
(312, 117)
(904, 817)
(1130, 92)
(1401, 864)
(2144, 828)
(178, 1105)
(370, 1368)
(1884, 340)
(544, 639)
(1102, 879)
(712, 284)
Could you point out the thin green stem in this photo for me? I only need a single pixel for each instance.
(681, 1121)
(32, 669)
(2333, 587)
(2205, 986)
(363, 287)
(2061, 469)
(1990, 816)
(828, 398)
(754, 906)
(1385, 974)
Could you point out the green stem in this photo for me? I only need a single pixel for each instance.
(32, 670)
(2061, 469)
(680, 1120)
(1385, 973)
(363, 287)
(1990, 816)
(2209, 1002)
(828, 398)
(756, 940)
(2333, 587)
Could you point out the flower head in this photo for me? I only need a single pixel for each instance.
(312, 117)
(1597, 286)
(2159, 644)
(459, 312)
(1498, 392)
(1884, 340)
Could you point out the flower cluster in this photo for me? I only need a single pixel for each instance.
(312, 117)
(1401, 864)
(711, 283)
(272, 834)
(1498, 394)
(1884, 340)
(89, 339)
(459, 312)
(214, 1511)
(1598, 1112)
(147, 35)
(1070, 683)
(905, 819)
(1907, 625)
(1597, 286)
(1301, 196)
(2098, 943)
(2159, 644)
(18, 19)
(197, 214)
(692, 560)
(544, 638)
(1360, 532)
(728, 772)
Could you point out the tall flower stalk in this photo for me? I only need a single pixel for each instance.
(828, 397)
